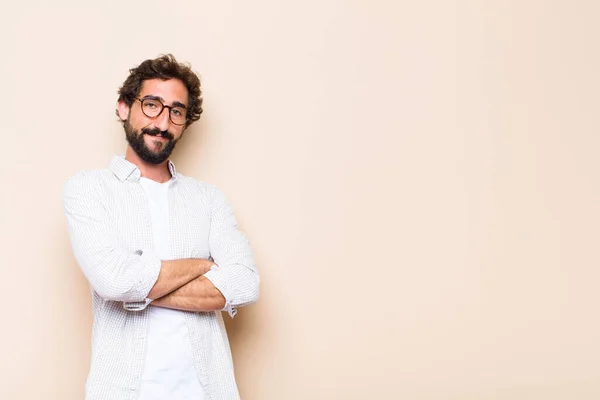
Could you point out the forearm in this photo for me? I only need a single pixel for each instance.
(177, 273)
(197, 295)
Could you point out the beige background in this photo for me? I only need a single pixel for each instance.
(419, 181)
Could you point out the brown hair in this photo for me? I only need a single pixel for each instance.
(164, 67)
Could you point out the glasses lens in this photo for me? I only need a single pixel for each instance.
(178, 115)
(151, 107)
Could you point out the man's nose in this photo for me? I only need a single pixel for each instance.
(162, 121)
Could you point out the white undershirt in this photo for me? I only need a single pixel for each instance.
(169, 370)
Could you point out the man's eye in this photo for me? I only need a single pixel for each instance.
(177, 112)
(151, 105)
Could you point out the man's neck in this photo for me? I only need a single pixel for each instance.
(156, 172)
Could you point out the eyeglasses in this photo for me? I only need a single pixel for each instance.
(152, 108)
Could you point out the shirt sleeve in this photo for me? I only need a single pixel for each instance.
(235, 273)
(113, 273)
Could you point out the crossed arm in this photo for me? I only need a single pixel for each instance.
(197, 295)
(181, 285)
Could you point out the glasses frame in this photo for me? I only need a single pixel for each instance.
(141, 100)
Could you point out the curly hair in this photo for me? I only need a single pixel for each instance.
(164, 67)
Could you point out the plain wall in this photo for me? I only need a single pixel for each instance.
(419, 182)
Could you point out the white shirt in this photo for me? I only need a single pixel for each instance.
(110, 229)
(169, 368)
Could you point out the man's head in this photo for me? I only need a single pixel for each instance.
(159, 99)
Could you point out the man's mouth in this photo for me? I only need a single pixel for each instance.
(160, 137)
(158, 134)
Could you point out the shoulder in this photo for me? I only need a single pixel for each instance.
(206, 189)
(85, 182)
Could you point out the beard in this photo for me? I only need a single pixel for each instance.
(138, 144)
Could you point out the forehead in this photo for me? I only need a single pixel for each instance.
(170, 90)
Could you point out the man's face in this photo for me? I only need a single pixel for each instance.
(153, 139)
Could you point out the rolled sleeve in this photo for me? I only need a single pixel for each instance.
(217, 277)
(150, 265)
(235, 274)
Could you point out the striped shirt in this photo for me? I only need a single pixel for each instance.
(111, 235)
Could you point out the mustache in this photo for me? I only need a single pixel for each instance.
(158, 132)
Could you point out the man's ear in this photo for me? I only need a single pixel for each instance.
(122, 110)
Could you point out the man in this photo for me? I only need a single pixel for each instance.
(162, 253)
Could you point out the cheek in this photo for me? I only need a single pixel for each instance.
(139, 121)
(177, 134)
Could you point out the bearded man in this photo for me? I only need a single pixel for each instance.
(162, 253)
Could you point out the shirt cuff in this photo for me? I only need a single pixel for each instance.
(136, 305)
(218, 278)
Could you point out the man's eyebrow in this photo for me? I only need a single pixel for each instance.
(179, 104)
(152, 97)
(175, 103)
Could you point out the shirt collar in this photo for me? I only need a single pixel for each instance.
(125, 170)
